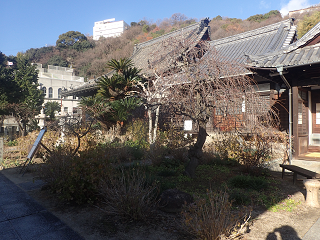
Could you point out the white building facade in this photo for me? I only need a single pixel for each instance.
(53, 80)
(109, 28)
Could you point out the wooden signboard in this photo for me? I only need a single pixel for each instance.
(34, 148)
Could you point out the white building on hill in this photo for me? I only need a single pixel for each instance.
(109, 28)
(53, 80)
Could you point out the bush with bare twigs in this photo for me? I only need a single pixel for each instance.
(129, 194)
(212, 218)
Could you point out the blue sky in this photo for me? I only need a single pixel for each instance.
(26, 24)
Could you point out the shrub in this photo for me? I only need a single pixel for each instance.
(248, 182)
(75, 178)
(211, 218)
(137, 149)
(129, 194)
(239, 197)
(138, 131)
(252, 151)
(307, 23)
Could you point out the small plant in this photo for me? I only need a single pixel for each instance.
(248, 182)
(12, 143)
(287, 205)
(212, 217)
(183, 178)
(240, 197)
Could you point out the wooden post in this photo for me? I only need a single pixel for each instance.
(295, 121)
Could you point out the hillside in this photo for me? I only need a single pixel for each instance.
(90, 61)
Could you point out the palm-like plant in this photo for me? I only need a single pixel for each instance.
(120, 65)
(115, 101)
(120, 84)
(50, 108)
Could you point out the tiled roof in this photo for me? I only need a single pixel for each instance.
(295, 54)
(256, 42)
(153, 53)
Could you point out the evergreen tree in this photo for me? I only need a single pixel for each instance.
(19, 93)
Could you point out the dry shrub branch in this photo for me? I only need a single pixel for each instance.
(212, 218)
(129, 194)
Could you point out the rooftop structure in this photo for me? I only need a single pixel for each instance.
(109, 28)
(305, 51)
(259, 41)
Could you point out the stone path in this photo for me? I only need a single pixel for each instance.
(21, 217)
(314, 232)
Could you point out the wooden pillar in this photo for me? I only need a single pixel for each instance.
(295, 121)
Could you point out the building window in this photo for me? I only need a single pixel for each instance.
(59, 93)
(65, 109)
(44, 91)
(50, 92)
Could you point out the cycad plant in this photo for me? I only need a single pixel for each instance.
(116, 96)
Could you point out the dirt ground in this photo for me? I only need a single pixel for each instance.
(91, 223)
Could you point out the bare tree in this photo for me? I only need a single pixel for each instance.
(200, 84)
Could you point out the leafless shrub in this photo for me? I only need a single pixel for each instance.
(212, 217)
(129, 194)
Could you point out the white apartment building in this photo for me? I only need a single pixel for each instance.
(109, 28)
(53, 80)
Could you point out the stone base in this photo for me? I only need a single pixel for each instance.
(312, 187)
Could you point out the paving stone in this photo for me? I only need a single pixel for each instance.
(2, 216)
(7, 231)
(313, 233)
(22, 218)
(29, 227)
(11, 197)
(21, 208)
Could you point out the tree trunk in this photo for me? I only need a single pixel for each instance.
(156, 125)
(150, 125)
(195, 152)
